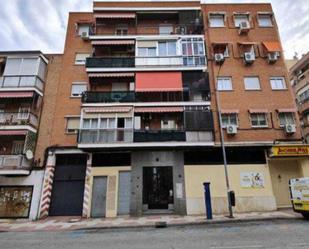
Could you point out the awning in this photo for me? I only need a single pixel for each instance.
(272, 46)
(158, 82)
(110, 75)
(12, 133)
(115, 15)
(258, 111)
(157, 109)
(229, 111)
(16, 94)
(109, 109)
(287, 110)
(113, 42)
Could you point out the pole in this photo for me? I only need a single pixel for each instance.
(223, 147)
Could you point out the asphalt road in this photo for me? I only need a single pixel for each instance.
(254, 235)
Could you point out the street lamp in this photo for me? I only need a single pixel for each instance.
(223, 146)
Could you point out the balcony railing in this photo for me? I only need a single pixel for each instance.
(14, 162)
(21, 82)
(110, 62)
(108, 97)
(18, 118)
(159, 135)
(101, 136)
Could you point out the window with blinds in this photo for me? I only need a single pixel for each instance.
(21, 66)
(72, 126)
(80, 58)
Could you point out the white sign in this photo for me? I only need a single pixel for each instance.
(252, 180)
(179, 192)
(300, 189)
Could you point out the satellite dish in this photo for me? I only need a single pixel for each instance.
(29, 154)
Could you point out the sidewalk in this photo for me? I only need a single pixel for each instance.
(76, 223)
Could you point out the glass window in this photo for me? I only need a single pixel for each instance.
(111, 123)
(12, 66)
(265, 20)
(286, 118)
(29, 66)
(103, 124)
(162, 48)
(216, 20)
(167, 48)
(72, 124)
(128, 123)
(239, 18)
(120, 123)
(147, 51)
(23, 112)
(142, 51)
(229, 119)
(90, 123)
(80, 58)
(78, 89)
(152, 51)
(224, 84)
(252, 83)
(277, 83)
(258, 120)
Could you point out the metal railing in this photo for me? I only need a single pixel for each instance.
(110, 62)
(108, 97)
(18, 118)
(21, 81)
(14, 162)
(159, 135)
(100, 136)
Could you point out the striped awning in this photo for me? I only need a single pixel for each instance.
(12, 133)
(16, 94)
(229, 111)
(113, 42)
(121, 15)
(110, 75)
(287, 110)
(258, 111)
(157, 109)
(120, 109)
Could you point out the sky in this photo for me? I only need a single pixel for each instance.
(41, 24)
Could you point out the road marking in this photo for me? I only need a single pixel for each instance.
(236, 247)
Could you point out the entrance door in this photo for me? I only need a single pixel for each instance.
(124, 193)
(281, 172)
(158, 187)
(98, 204)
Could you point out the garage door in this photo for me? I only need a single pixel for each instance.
(124, 193)
(68, 186)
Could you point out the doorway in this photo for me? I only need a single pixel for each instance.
(98, 204)
(158, 187)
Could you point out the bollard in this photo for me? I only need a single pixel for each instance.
(207, 200)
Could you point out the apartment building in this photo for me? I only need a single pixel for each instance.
(299, 77)
(22, 80)
(135, 127)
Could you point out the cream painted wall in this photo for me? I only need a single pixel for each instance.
(304, 162)
(112, 190)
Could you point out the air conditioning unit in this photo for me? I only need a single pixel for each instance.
(290, 128)
(249, 58)
(85, 35)
(231, 129)
(272, 57)
(244, 27)
(219, 58)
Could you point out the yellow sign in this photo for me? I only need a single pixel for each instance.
(295, 150)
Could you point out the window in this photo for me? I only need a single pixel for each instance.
(167, 48)
(239, 18)
(17, 147)
(72, 125)
(90, 123)
(222, 49)
(303, 96)
(277, 83)
(252, 83)
(216, 20)
(21, 66)
(78, 89)
(23, 112)
(151, 51)
(83, 30)
(286, 118)
(80, 58)
(193, 51)
(2, 115)
(229, 119)
(258, 120)
(265, 20)
(224, 84)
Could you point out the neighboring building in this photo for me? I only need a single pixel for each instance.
(290, 63)
(299, 77)
(135, 127)
(22, 82)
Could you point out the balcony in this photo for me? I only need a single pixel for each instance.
(110, 62)
(14, 165)
(159, 135)
(108, 97)
(176, 61)
(101, 136)
(21, 82)
(18, 119)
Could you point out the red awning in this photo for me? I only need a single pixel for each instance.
(158, 82)
(120, 109)
(258, 111)
(110, 75)
(272, 46)
(12, 133)
(287, 110)
(229, 111)
(113, 42)
(16, 94)
(115, 15)
(157, 109)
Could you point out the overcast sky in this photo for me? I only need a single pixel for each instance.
(41, 24)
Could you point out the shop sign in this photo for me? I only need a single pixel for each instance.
(252, 180)
(15, 201)
(290, 151)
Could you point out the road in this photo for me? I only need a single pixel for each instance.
(290, 234)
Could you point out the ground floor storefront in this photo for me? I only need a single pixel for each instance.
(166, 181)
